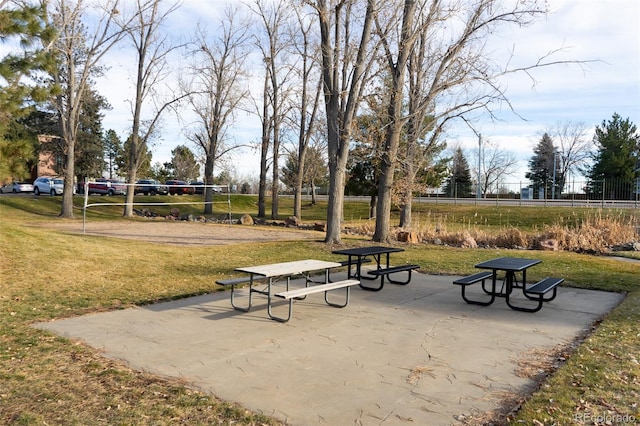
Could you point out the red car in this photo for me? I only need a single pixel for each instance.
(179, 187)
(106, 187)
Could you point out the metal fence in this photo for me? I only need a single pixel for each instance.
(600, 190)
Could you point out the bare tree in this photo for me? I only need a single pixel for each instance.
(346, 61)
(418, 158)
(394, 121)
(274, 17)
(266, 119)
(79, 50)
(309, 102)
(152, 49)
(575, 148)
(462, 75)
(217, 87)
(496, 164)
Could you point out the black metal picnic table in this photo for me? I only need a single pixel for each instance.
(381, 255)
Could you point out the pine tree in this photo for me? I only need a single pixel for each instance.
(616, 159)
(459, 184)
(90, 151)
(25, 25)
(541, 165)
(112, 150)
(185, 166)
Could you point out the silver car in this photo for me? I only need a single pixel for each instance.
(48, 185)
(17, 187)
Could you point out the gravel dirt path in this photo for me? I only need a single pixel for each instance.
(185, 233)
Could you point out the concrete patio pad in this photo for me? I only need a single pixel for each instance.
(415, 354)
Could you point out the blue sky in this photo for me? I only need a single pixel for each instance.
(603, 32)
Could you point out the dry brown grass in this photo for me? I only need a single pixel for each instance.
(596, 233)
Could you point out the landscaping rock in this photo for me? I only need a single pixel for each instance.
(246, 219)
(548, 245)
(469, 242)
(292, 221)
(408, 237)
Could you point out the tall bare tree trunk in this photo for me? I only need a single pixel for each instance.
(146, 37)
(297, 195)
(264, 149)
(275, 174)
(78, 52)
(208, 180)
(343, 82)
(396, 122)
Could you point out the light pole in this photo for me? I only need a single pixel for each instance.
(553, 187)
(478, 191)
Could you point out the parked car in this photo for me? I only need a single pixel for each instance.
(17, 187)
(48, 185)
(150, 187)
(106, 187)
(179, 187)
(198, 187)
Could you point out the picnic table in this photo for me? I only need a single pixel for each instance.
(381, 255)
(511, 267)
(269, 274)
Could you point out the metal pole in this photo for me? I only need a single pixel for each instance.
(84, 207)
(478, 191)
(553, 187)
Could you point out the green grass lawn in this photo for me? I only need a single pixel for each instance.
(46, 274)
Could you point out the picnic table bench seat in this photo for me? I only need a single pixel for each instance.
(544, 286)
(319, 288)
(537, 293)
(473, 279)
(385, 272)
(299, 293)
(236, 281)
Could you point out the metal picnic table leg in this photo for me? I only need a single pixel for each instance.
(377, 258)
(240, 308)
(269, 299)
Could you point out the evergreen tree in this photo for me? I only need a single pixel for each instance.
(18, 155)
(161, 172)
(362, 170)
(185, 166)
(90, 150)
(541, 166)
(17, 151)
(459, 183)
(25, 25)
(616, 160)
(112, 150)
(122, 160)
(290, 171)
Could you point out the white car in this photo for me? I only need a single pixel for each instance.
(16, 187)
(48, 185)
